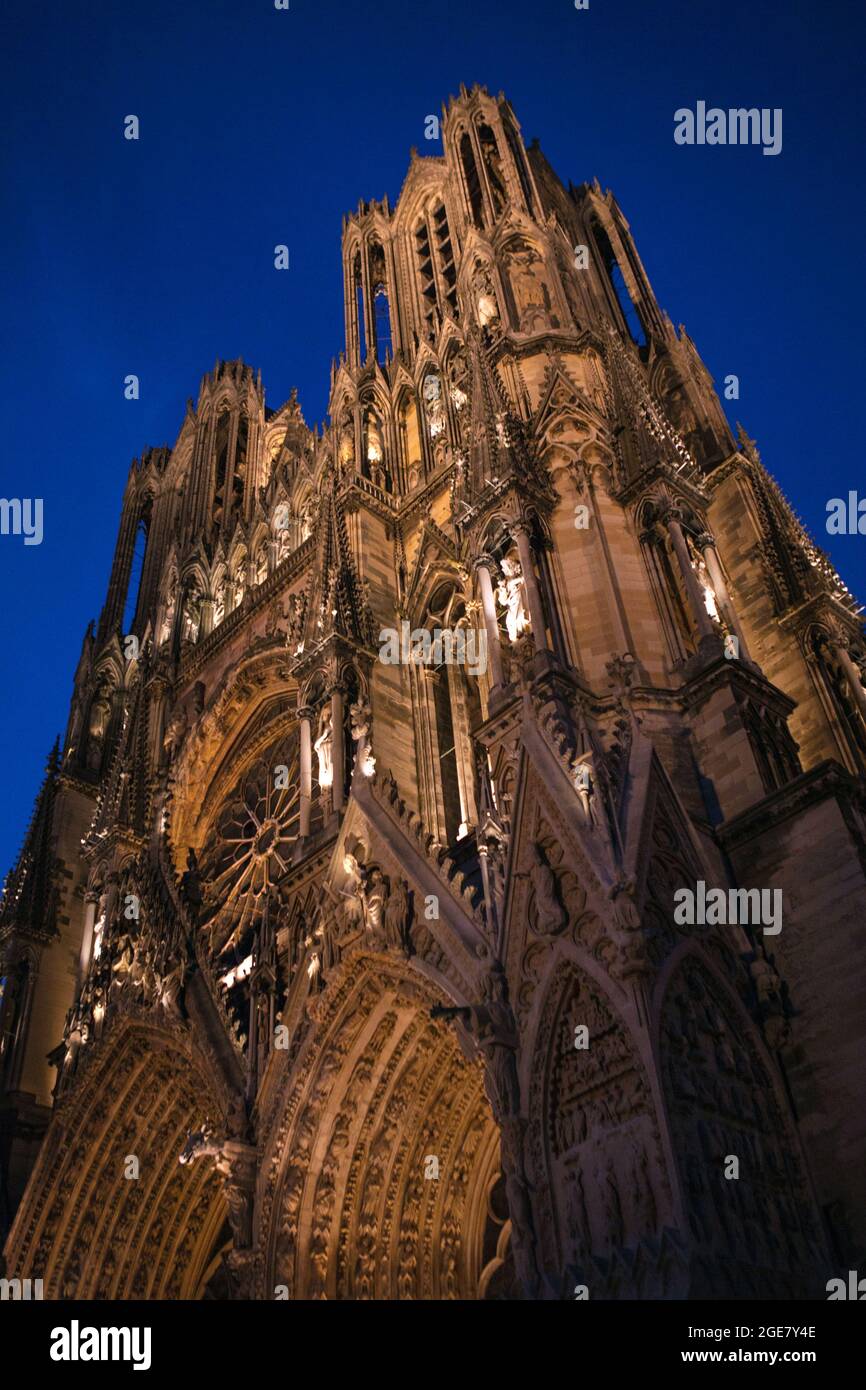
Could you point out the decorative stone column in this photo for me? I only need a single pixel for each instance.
(707, 547)
(25, 989)
(520, 532)
(852, 674)
(338, 748)
(206, 621)
(484, 565)
(91, 900)
(671, 518)
(306, 715)
(584, 483)
(158, 693)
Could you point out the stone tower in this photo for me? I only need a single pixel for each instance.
(350, 952)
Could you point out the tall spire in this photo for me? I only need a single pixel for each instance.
(336, 604)
(30, 892)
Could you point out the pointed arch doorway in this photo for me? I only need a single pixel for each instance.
(383, 1180)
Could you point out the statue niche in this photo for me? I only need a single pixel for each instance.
(97, 728)
(510, 594)
(530, 292)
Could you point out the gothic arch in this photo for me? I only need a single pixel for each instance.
(666, 581)
(446, 704)
(532, 305)
(380, 1100)
(87, 1228)
(724, 1100)
(411, 446)
(594, 1145)
(254, 706)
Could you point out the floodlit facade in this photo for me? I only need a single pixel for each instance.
(366, 941)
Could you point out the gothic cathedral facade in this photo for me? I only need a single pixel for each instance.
(344, 957)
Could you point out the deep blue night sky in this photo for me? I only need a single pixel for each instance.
(261, 127)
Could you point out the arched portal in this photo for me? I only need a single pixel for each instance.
(750, 1211)
(96, 1224)
(593, 1140)
(383, 1181)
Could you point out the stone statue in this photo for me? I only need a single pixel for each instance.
(361, 717)
(347, 441)
(531, 295)
(488, 309)
(375, 449)
(190, 883)
(771, 1004)
(100, 714)
(349, 903)
(273, 617)
(175, 733)
(550, 914)
(169, 991)
(397, 918)
(510, 595)
(323, 747)
(585, 788)
(122, 964)
(192, 615)
(375, 898)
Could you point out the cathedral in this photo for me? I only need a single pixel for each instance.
(447, 885)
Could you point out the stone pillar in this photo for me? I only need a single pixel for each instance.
(338, 748)
(520, 532)
(90, 903)
(707, 547)
(693, 588)
(305, 715)
(852, 674)
(488, 604)
(206, 623)
(625, 642)
(24, 1011)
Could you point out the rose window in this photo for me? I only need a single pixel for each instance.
(250, 849)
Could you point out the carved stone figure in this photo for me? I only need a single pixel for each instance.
(397, 917)
(485, 299)
(375, 898)
(585, 787)
(361, 717)
(323, 748)
(531, 295)
(551, 916)
(175, 733)
(510, 594)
